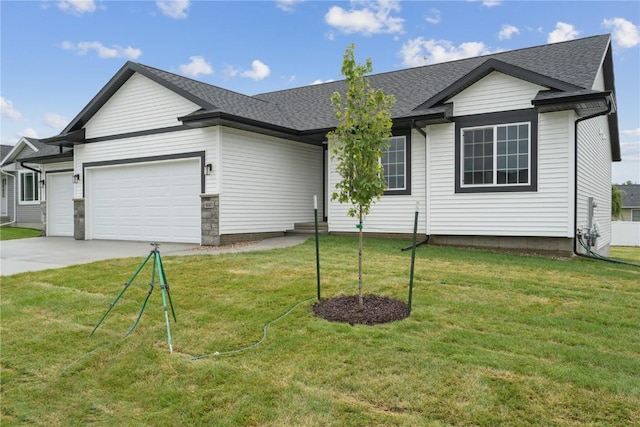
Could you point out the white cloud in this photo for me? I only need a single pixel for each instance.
(29, 133)
(198, 65)
(563, 32)
(82, 48)
(434, 17)
(55, 121)
(319, 81)
(77, 7)
(258, 71)
(7, 110)
(625, 34)
(287, 5)
(418, 51)
(507, 31)
(371, 18)
(491, 3)
(176, 9)
(631, 132)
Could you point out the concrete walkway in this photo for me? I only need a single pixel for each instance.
(42, 253)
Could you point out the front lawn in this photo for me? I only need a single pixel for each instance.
(493, 339)
(11, 233)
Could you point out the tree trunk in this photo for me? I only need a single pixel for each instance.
(360, 261)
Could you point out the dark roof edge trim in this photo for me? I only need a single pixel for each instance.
(605, 95)
(219, 118)
(68, 139)
(51, 158)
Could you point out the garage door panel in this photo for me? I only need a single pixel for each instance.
(146, 201)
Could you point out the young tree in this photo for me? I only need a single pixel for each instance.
(358, 142)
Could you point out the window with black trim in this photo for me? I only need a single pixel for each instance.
(496, 155)
(29, 191)
(396, 165)
(496, 152)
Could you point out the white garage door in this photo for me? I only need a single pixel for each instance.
(145, 201)
(59, 188)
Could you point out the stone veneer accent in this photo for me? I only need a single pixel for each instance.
(78, 219)
(210, 220)
(43, 216)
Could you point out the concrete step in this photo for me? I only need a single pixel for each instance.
(309, 228)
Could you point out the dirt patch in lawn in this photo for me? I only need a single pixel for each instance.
(376, 309)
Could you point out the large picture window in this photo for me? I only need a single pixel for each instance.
(29, 188)
(496, 152)
(496, 155)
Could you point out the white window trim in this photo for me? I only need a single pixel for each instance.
(495, 156)
(632, 211)
(404, 187)
(37, 188)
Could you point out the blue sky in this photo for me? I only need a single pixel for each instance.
(56, 55)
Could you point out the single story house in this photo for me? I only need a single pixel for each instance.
(23, 185)
(630, 202)
(511, 150)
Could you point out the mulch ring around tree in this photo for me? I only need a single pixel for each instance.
(376, 309)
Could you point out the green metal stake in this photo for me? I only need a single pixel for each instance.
(413, 257)
(315, 214)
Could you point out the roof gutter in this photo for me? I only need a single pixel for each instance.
(38, 171)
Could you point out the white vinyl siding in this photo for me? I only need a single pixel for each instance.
(393, 213)
(140, 104)
(594, 176)
(170, 143)
(268, 183)
(59, 189)
(493, 93)
(545, 212)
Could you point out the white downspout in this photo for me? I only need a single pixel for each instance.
(15, 200)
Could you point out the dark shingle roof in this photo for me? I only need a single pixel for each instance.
(630, 195)
(305, 113)
(4, 150)
(574, 62)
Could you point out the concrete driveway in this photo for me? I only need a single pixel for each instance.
(42, 253)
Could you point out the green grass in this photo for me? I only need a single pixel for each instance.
(626, 253)
(493, 339)
(11, 233)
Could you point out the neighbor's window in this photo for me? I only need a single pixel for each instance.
(28, 187)
(394, 163)
(496, 155)
(635, 215)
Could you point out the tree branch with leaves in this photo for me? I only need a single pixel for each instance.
(358, 143)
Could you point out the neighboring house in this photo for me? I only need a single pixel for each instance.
(23, 182)
(630, 202)
(511, 150)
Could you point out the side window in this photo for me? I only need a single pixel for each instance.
(396, 163)
(29, 191)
